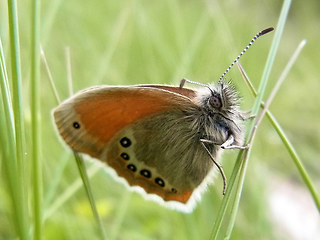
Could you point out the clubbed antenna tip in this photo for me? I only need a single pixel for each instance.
(263, 32)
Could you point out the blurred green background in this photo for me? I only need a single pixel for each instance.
(133, 42)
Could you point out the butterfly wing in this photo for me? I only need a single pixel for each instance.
(89, 119)
(142, 132)
(182, 91)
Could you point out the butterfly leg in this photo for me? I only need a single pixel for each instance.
(246, 116)
(209, 141)
(229, 144)
(217, 165)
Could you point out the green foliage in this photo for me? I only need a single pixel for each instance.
(132, 42)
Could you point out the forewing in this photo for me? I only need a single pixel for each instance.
(89, 119)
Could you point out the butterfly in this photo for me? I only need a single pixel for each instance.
(163, 139)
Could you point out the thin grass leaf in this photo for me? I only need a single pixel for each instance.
(69, 70)
(279, 82)
(240, 168)
(86, 183)
(52, 85)
(10, 156)
(259, 119)
(226, 199)
(78, 158)
(255, 109)
(294, 155)
(82, 167)
(16, 78)
(21, 206)
(35, 121)
(6, 95)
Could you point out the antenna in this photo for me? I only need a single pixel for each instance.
(265, 31)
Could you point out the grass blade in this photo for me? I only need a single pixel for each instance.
(279, 82)
(255, 109)
(35, 121)
(21, 204)
(52, 85)
(240, 168)
(258, 122)
(81, 166)
(10, 156)
(86, 183)
(78, 158)
(69, 70)
(294, 155)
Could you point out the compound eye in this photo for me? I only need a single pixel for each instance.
(215, 101)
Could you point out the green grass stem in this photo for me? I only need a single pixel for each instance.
(79, 160)
(52, 85)
(69, 70)
(21, 204)
(85, 179)
(10, 157)
(240, 168)
(255, 109)
(285, 140)
(35, 121)
(258, 122)
(279, 83)
(132, 42)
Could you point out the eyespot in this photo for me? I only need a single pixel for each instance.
(159, 181)
(132, 167)
(125, 142)
(76, 125)
(125, 156)
(146, 173)
(215, 101)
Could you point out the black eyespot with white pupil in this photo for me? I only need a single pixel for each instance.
(145, 173)
(132, 167)
(76, 125)
(215, 101)
(125, 156)
(125, 142)
(160, 182)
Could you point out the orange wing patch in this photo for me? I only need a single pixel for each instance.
(111, 109)
(89, 119)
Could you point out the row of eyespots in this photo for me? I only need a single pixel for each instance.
(147, 174)
(126, 142)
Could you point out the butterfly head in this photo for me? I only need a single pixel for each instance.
(220, 98)
(220, 108)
